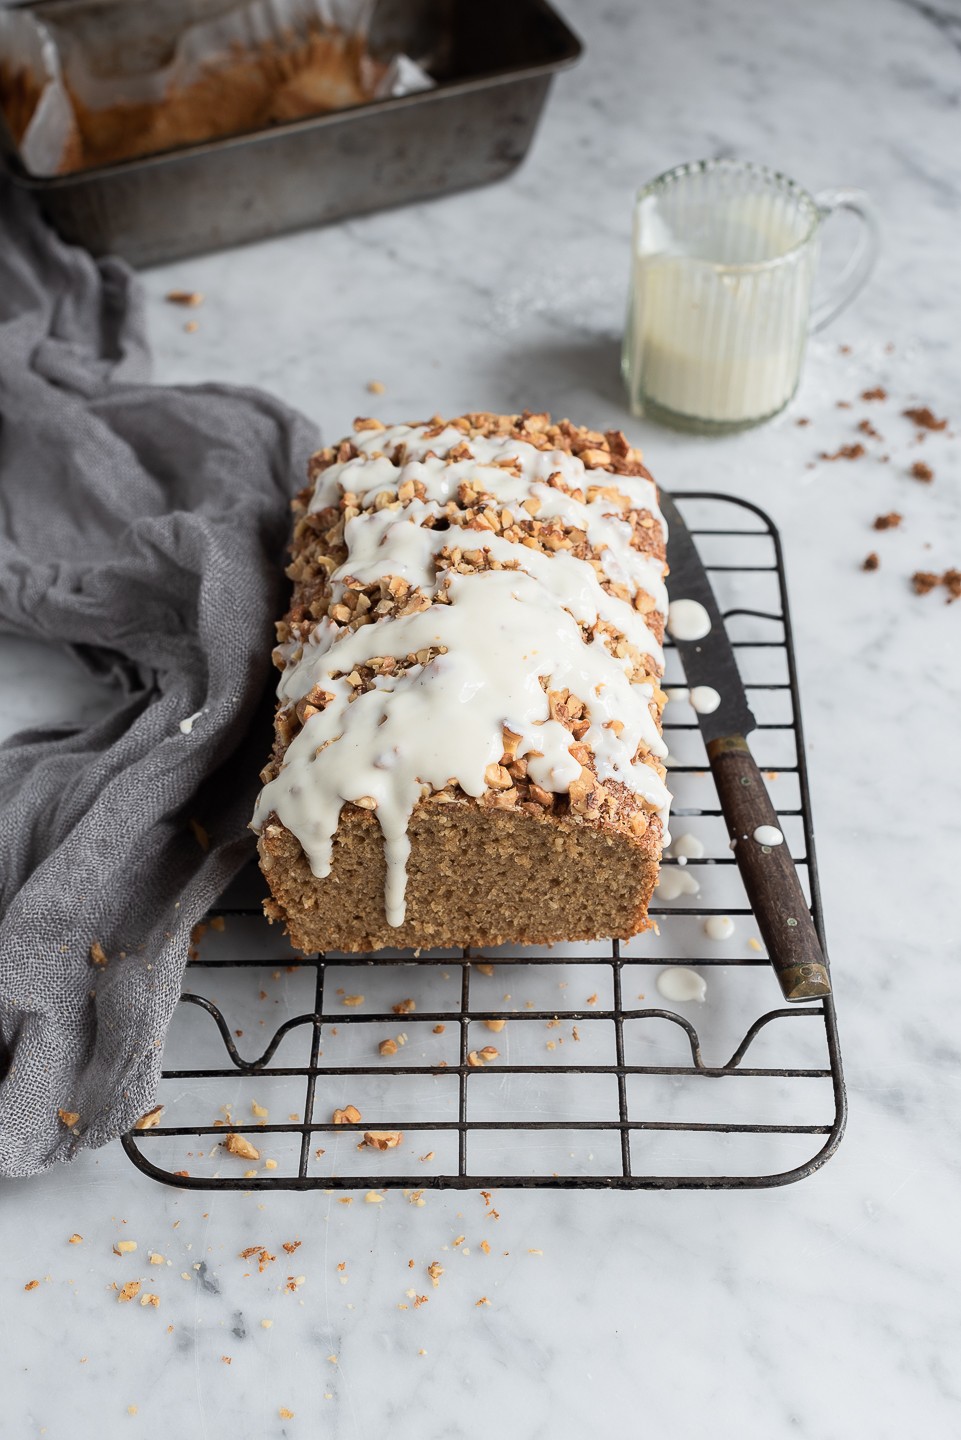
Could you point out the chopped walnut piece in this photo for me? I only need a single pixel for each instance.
(291, 1245)
(148, 1299)
(190, 298)
(925, 418)
(871, 562)
(483, 1056)
(495, 1025)
(151, 1120)
(98, 955)
(128, 1292)
(921, 471)
(350, 1115)
(878, 393)
(404, 1007)
(353, 1000)
(382, 1139)
(240, 1145)
(890, 521)
(68, 1118)
(924, 581)
(435, 1270)
(387, 1047)
(438, 1029)
(31, 1285)
(75, 1239)
(125, 1247)
(952, 580)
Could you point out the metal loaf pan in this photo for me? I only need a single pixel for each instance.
(493, 61)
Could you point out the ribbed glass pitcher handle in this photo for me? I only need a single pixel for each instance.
(862, 259)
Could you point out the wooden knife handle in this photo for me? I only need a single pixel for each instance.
(768, 872)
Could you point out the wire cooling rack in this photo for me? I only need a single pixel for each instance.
(597, 1081)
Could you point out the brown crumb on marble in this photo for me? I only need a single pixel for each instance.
(951, 579)
(128, 1292)
(843, 404)
(924, 581)
(802, 421)
(845, 452)
(890, 521)
(871, 562)
(31, 1285)
(376, 387)
(922, 471)
(189, 298)
(878, 392)
(866, 428)
(191, 327)
(925, 418)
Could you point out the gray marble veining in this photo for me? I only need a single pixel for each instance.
(827, 1310)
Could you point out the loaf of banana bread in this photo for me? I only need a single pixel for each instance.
(468, 745)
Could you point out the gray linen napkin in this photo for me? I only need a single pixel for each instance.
(143, 528)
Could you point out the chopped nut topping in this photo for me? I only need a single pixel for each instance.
(495, 1025)
(435, 1271)
(482, 1057)
(148, 1299)
(68, 1118)
(128, 1292)
(382, 1139)
(348, 1116)
(438, 1029)
(387, 1047)
(888, 522)
(404, 1007)
(125, 1247)
(239, 1145)
(75, 1240)
(871, 562)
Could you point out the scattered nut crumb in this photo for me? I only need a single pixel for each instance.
(285, 1414)
(877, 393)
(191, 298)
(845, 452)
(125, 1247)
(495, 1025)
(372, 1198)
(266, 1324)
(482, 1301)
(240, 1145)
(405, 1007)
(353, 1000)
(270, 1164)
(924, 581)
(350, 1115)
(376, 387)
(891, 521)
(148, 1299)
(484, 967)
(291, 1245)
(921, 471)
(803, 420)
(871, 562)
(128, 1292)
(478, 1058)
(866, 428)
(925, 418)
(97, 954)
(435, 1271)
(383, 1139)
(31, 1285)
(259, 1111)
(75, 1240)
(155, 1258)
(485, 1246)
(68, 1118)
(387, 1047)
(191, 327)
(428, 1156)
(439, 1029)
(151, 1120)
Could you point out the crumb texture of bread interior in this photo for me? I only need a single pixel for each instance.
(516, 864)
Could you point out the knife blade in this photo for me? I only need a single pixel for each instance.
(767, 870)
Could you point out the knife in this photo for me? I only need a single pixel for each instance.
(768, 872)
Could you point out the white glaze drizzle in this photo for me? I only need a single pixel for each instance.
(719, 927)
(688, 620)
(705, 699)
(680, 985)
(672, 883)
(768, 835)
(688, 847)
(442, 722)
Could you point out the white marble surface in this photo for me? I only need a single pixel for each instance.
(828, 1309)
